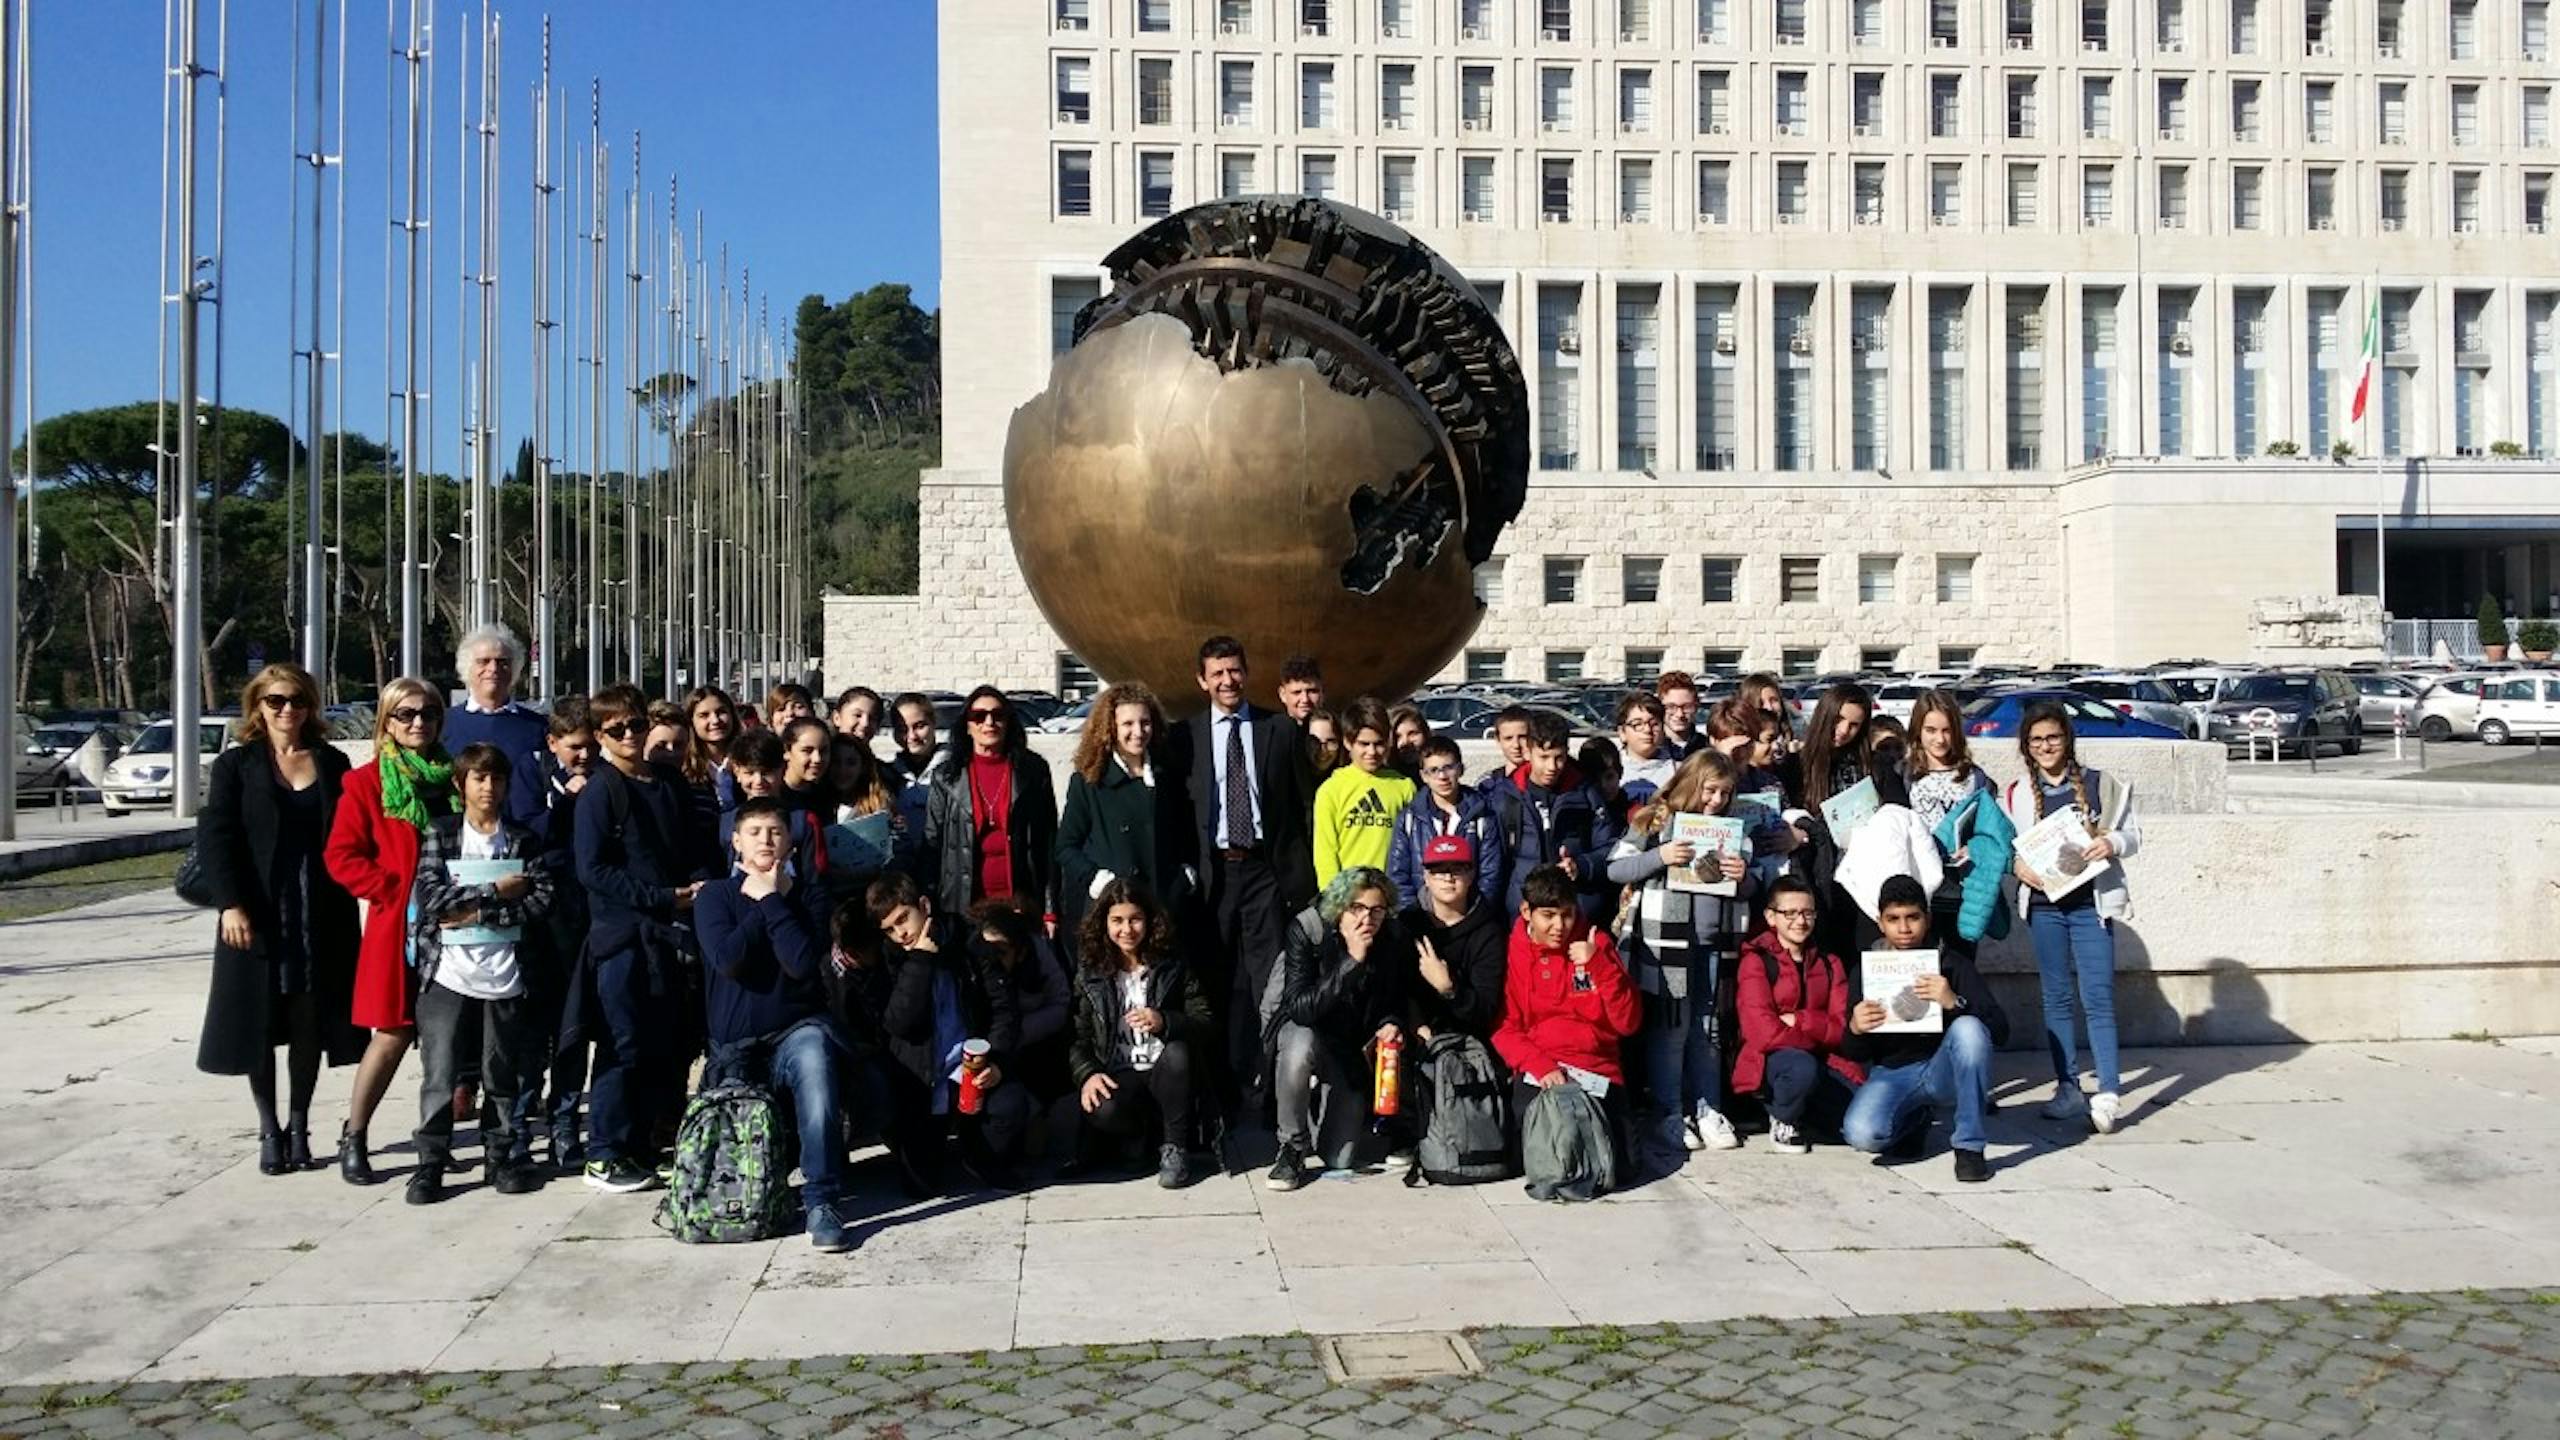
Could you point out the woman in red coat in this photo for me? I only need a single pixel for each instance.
(1793, 999)
(373, 852)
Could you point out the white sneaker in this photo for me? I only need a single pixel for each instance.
(1691, 1138)
(2102, 1112)
(1399, 1161)
(1714, 1132)
(1785, 1139)
(2067, 1103)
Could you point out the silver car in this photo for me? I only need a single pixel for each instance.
(2143, 697)
(2384, 697)
(2450, 708)
(2201, 689)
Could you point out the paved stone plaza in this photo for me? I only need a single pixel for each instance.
(145, 1247)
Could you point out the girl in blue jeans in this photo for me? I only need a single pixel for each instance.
(2075, 935)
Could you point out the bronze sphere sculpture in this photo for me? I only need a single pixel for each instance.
(1288, 421)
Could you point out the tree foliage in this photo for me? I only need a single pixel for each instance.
(869, 366)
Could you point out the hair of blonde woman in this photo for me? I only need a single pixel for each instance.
(407, 687)
(253, 715)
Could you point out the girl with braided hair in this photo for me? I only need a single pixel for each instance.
(2075, 936)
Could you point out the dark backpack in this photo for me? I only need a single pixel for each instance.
(733, 1170)
(1565, 1150)
(1464, 1139)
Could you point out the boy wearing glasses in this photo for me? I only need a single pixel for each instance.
(641, 866)
(1792, 998)
(1444, 806)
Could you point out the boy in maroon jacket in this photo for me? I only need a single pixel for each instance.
(1793, 1001)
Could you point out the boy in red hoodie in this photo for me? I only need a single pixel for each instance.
(1566, 999)
(1793, 1001)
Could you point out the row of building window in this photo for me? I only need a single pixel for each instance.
(2020, 201)
(2398, 29)
(1726, 580)
(1642, 664)
(2461, 107)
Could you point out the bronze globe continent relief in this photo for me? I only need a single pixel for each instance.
(1289, 422)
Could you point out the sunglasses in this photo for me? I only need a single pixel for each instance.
(986, 717)
(277, 704)
(617, 730)
(410, 714)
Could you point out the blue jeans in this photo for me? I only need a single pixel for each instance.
(811, 1063)
(1683, 1066)
(2072, 942)
(629, 1028)
(1895, 1096)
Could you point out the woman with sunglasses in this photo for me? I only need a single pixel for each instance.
(284, 956)
(991, 820)
(373, 852)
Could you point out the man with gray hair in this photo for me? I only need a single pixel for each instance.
(487, 662)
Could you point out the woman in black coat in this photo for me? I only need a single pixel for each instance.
(1126, 815)
(284, 958)
(991, 815)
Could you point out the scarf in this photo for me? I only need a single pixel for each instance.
(409, 776)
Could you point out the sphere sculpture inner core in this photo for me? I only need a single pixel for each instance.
(1289, 421)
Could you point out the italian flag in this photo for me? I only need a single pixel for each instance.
(2372, 356)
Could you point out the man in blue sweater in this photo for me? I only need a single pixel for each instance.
(487, 662)
(764, 956)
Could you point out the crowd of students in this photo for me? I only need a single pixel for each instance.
(1220, 932)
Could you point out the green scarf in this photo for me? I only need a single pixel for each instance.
(409, 777)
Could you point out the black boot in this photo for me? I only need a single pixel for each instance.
(297, 1145)
(355, 1161)
(426, 1183)
(270, 1152)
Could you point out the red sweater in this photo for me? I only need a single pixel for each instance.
(1816, 992)
(1546, 1022)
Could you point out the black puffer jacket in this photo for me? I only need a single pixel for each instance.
(1171, 992)
(889, 1002)
(1344, 1002)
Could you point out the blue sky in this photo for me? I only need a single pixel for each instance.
(805, 132)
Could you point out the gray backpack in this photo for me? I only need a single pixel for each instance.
(1463, 1140)
(1564, 1146)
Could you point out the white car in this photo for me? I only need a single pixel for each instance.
(2513, 705)
(144, 775)
(1897, 697)
(2197, 691)
(2450, 708)
(2143, 697)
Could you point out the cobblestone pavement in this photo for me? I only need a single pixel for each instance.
(2467, 1363)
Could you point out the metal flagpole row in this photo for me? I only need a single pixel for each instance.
(13, 112)
(541, 374)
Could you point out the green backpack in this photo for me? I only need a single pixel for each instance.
(732, 1179)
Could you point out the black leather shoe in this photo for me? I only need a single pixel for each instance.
(355, 1161)
(426, 1185)
(270, 1152)
(297, 1145)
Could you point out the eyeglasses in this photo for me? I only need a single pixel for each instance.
(2041, 742)
(617, 729)
(278, 703)
(1356, 910)
(986, 717)
(411, 714)
(1804, 915)
(1439, 769)
(1641, 722)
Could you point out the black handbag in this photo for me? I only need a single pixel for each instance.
(190, 883)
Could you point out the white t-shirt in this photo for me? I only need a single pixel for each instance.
(1143, 1049)
(481, 972)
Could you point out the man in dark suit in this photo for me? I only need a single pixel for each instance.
(1253, 793)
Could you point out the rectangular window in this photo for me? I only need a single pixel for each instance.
(1946, 106)
(1640, 579)
(1315, 17)
(1866, 23)
(1870, 377)
(2542, 387)
(2386, 28)
(1319, 176)
(1800, 580)
(2173, 197)
(1957, 657)
(1559, 377)
(1946, 194)
(1563, 579)
(1488, 582)
(1721, 575)
(1866, 104)
(1866, 199)
(1715, 102)
(1155, 183)
(1794, 193)
(2022, 340)
(1555, 19)
(1235, 94)
(2097, 197)
(1639, 378)
(1075, 182)
(2391, 113)
(1945, 27)
(1715, 192)
(1555, 190)
(1635, 102)
(1791, 380)
(2248, 371)
(1793, 107)
(2315, 29)
(1564, 667)
(2177, 353)
(1643, 666)
(2320, 197)
(2537, 117)
(2094, 36)
(1398, 199)
(2466, 202)
(2393, 206)
(1075, 90)
(2319, 112)
(1476, 189)
(1069, 294)
(2537, 202)
(1155, 92)
(2172, 31)
(2022, 24)
(1876, 579)
(2324, 357)
(2023, 196)
(2534, 35)
(1790, 22)
(1076, 680)
(1475, 97)
(1315, 95)
(2244, 27)
(1396, 97)
(2471, 373)
(2097, 108)
(2466, 114)
(1799, 662)
(2248, 113)
(1717, 372)
(2248, 197)
(1155, 17)
(1555, 99)
(1720, 661)
(2173, 109)
(2462, 30)
(1955, 579)
(1715, 21)
(1395, 19)
(2097, 372)
(1236, 175)
(1635, 20)
(1947, 307)
(1074, 14)
(1484, 665)
(2022, 107)
(2399, 369)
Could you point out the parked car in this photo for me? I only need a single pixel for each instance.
(75, 754)
(1036, 707)
(1067, 721)
(1479, 726)
(2141, 697)
(2001, 714)
(1446, 708)
(2449, 709)
(2199, 687)
(143, 776)
(2301, 708)
(2384, 697)
(1896, 697)
(2519, 705)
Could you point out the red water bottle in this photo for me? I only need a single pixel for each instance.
(1386, 1091)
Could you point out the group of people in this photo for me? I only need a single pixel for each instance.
(1246, 921)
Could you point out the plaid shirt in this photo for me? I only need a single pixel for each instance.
(434, 895)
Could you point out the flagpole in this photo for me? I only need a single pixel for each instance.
(2381, 485)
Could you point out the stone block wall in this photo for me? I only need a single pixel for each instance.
(2316, 629)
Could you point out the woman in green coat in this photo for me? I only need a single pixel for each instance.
(1124, 817)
